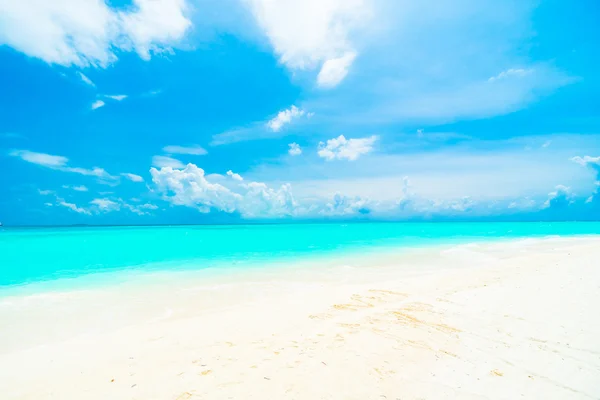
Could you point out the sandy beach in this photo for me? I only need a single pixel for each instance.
(506, 320)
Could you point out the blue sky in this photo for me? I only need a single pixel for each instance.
(194, 111)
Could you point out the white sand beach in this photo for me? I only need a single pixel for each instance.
(506, 320)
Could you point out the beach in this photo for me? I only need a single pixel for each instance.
(508, 319)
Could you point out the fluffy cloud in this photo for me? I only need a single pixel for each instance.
(132, 177)
(97, 104)
(263, 201)
(344, 205)
(327, 42)
(164, 161)
(234, 176)
(189, 187)
(90, 32)
(191, 150)
(341, 148)
(594, 164)
(284, 117)
(60, 163)
(561, 197)
(295, 149)
(106, 205)
(335, 70)
(588, 161)
(155, 25)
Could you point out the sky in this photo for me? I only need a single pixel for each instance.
(196, 111)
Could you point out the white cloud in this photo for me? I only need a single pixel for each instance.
(85, 79)
(46, 160)
(261, 201)
(89, 32)
(45, 192)
(117, 97)
(331, 24)
(419, 64)
(511, 72)
(167, 162)
(345, 205)
(285, 117)
(132, 177)
(95, 171)
(106, 205)
(261, 129)
(335, 70)
(341, 148)
(192, 150)
(485, 170)
(587, 161)
(154, 25)
(560, 197)
(136, 209)
(295, 149)
(97, 104)
(80, 188)
(392, 198)
(60, 163)
(189, 187)
(594, 164)
(546, 144)
(234, 176)
(71, 206)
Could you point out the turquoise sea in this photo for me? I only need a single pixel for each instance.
(43, 254)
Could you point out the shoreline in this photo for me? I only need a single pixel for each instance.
(362, 254)
(499, 320)
(47, 255)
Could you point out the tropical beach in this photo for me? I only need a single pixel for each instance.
(299, 200)
(494, 319)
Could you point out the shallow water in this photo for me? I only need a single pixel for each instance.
(44, 254)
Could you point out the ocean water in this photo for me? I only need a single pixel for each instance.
(30, 255)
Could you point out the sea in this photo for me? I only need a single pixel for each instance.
(51, 254)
